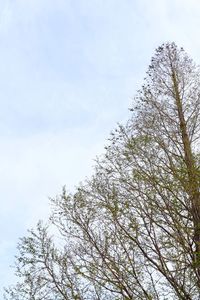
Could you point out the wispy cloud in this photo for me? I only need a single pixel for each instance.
(67, 72)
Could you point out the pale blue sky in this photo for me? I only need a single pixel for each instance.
(68, 72)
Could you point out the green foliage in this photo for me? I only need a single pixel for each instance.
(133, 230)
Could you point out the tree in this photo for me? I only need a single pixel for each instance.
(133, 230)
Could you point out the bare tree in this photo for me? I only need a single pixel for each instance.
(133, 230)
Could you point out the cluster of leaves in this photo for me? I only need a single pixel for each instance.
(132, 230)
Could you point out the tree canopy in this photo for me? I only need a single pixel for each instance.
(133, 230)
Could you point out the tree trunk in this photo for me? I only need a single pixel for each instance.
(193, 182)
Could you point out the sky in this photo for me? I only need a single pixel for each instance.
(69, 70)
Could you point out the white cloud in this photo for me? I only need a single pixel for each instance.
(67, 71)
(5, 17)
(33, 169)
